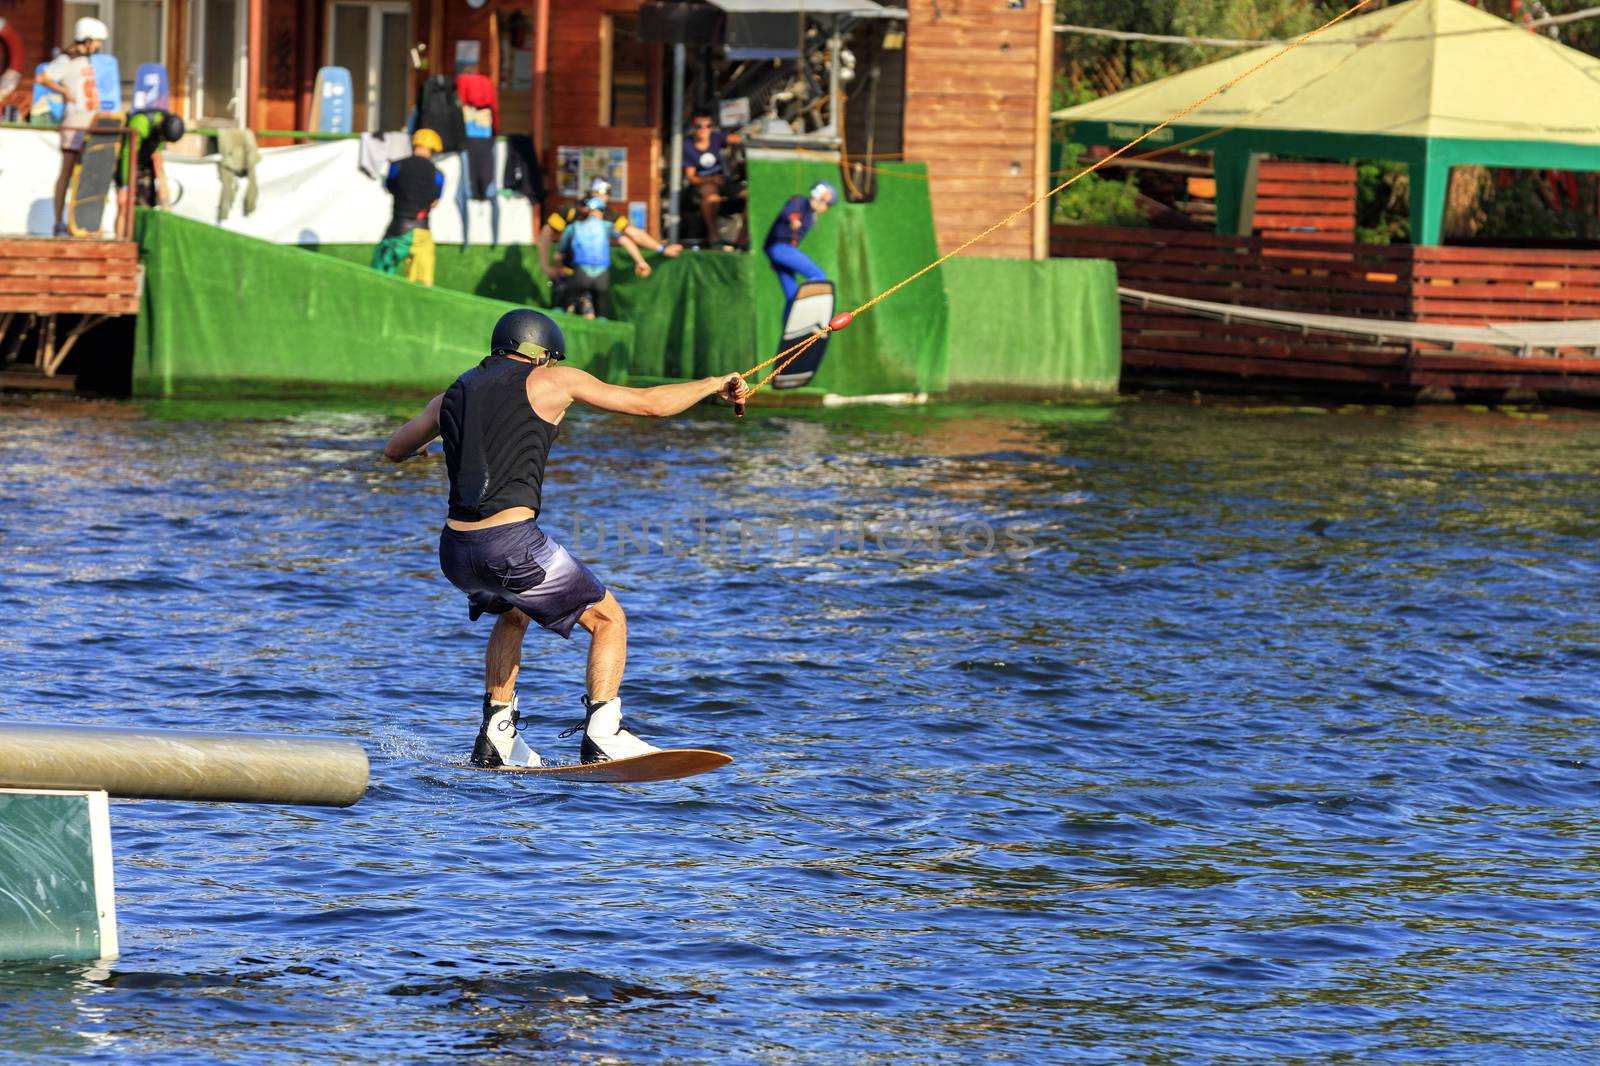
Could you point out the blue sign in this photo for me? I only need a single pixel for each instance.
(334, 101)
(150, 88)
(107, 81)
(44, 101)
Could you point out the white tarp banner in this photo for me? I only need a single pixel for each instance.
(307, 194)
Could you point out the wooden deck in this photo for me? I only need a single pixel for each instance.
(53, 291)
(1401, 283)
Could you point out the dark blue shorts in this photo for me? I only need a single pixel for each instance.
(516, 565)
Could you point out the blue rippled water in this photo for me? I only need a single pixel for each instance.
(1150, 733)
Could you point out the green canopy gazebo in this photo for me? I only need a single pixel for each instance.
(1429, 83)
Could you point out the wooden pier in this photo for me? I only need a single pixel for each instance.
(52, 292)
(1166, 344)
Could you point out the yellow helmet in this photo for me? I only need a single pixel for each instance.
(426, 138)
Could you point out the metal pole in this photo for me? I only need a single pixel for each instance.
(835, 42)
(183, 765)
(675, 163)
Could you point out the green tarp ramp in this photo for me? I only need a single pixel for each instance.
(224, 313)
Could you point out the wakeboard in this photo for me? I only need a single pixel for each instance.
(91, 180)
(666, 765)
(809, 313)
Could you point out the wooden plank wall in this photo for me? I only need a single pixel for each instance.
(1476, 285)
(974, 70)
(1468, 286)
(575, 99)
(1367, 281)
(45, 276)
(1306, 201)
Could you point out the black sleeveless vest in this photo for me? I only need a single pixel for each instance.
(495, 445)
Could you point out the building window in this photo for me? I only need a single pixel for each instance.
(371, 41)
(216, 62)
(624, 73)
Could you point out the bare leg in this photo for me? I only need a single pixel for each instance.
(710, 205)
(504, 657)
(608, 650)
(69, 160)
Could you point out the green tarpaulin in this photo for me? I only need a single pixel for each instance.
(1015, 324)
(226, 312)
(223, 312)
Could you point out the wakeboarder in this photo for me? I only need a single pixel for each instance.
(498, 421)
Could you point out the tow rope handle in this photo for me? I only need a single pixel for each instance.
(836, 323)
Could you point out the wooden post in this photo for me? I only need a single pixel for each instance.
(1041, 142)
(254, 32)
(541, 66)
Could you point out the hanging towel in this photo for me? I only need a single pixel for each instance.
(378, 150)
(237, 156)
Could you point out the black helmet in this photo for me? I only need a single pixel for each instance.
(528, 333)
(171, 128)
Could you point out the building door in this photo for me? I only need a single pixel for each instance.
(217, 63)
(372, 42)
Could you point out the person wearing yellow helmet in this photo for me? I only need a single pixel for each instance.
(416, 184)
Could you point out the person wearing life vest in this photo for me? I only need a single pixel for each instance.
(789, 229)
(72, 75)
(416, 185)
(498, 421)
(550, 233)
(586, 248)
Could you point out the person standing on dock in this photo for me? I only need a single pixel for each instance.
(72, 75)
(790, 228)
(416, 185)
(498, 421)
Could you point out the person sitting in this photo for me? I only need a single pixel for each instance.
(153, 130)
(708, 179)
(599, 188)
(586, 247)
(416, 184)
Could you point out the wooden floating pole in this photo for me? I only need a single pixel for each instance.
(172, 764)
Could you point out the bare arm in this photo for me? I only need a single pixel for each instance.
(656, 402)
(546, 235)
(640, 267)
(415, 434)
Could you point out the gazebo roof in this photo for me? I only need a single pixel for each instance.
(1424, 69)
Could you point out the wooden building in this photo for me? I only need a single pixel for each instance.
(978, 76)
(976, 80)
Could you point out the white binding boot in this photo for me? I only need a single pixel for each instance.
(604, 739)
(499, 743)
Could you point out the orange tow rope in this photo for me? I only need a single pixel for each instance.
(843, 319)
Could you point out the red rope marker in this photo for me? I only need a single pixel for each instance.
(842, 319)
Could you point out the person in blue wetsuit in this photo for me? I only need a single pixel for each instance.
(789, 229)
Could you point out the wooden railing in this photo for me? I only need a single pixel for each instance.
(1448, 284)
(1470, 286)
(42, 278)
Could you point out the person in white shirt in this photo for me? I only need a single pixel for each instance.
(72, 75)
